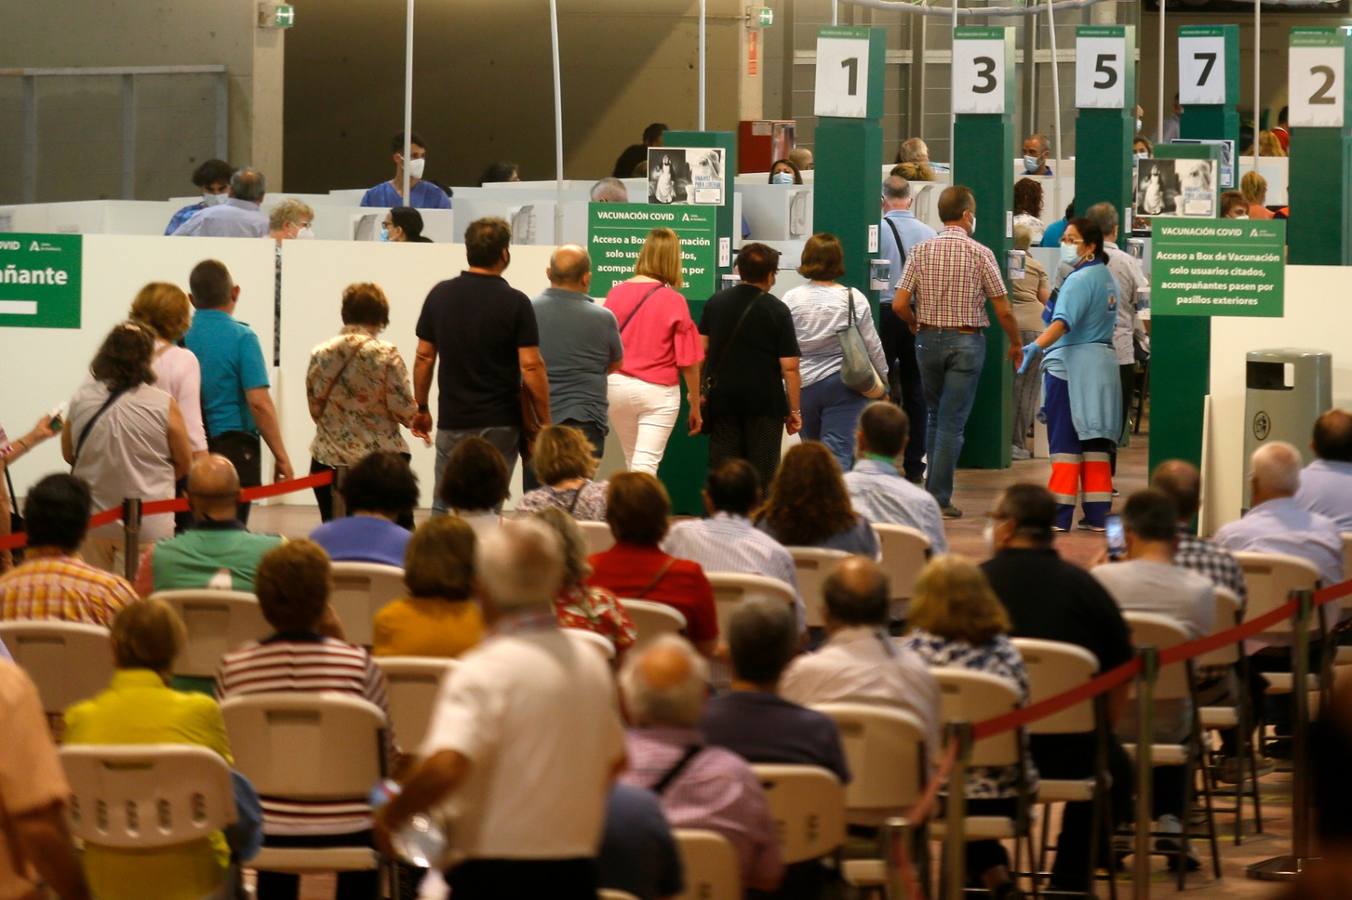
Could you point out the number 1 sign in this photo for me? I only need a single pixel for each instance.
(849, 73)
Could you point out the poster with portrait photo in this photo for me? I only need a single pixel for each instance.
(1197, 179)
(686, 175)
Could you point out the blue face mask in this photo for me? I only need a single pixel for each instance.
(782, 178)
(1031, 165)
(1070, 254)
(384, 233)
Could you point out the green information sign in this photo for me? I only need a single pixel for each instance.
(1218, 267)
(616, 232)
(40, 280)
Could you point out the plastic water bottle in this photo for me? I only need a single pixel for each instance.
(421, 842)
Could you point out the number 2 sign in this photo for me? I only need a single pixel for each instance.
(1317, 86)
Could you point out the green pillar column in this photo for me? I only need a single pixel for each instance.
(1105, 97)
(983, 138)
(1208, 87)
(1320, 174)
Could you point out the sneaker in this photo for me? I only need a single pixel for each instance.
(951, 512)
(1169, 824)
(1057, 529)
(1020, 453)
(1085, 526)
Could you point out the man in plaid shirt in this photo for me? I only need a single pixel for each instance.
(1183, 483)
(950, 277)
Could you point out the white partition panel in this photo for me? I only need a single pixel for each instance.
(314, 276)
(1316, 299)
(41, 367)
(777, 212)
(90, 217)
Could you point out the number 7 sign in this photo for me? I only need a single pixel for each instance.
(1201, 71)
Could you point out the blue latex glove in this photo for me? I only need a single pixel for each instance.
(1030, 352)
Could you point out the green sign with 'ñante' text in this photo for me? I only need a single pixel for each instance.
(40, 280)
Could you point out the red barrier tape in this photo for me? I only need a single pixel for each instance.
(1043, 708)
(180, 504)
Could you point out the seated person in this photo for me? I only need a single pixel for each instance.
(638, 851)
(140, 708)
(475, 483)
(809, 505)
(877, 489)
(218, 551)
(404, 225)
(439, 617)
(638, 510)
(664, 686)
(293, 584)
(380, 493)
(581, 605)
(53, 582)
(565, 465)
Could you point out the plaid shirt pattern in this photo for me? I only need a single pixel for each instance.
(950, 277)
(63, 588)
(1212, 562)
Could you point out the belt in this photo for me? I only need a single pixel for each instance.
(965, 329)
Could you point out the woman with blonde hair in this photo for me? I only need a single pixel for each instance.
(957, 622)
(164, 310)
(564, 463)
(662, 347)
(580, 605)
(1254, 188)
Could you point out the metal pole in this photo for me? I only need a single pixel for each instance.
(28, 164)
(339, 502)
(1159, 88)
(1056, 108)
(408, 100)
(835, 12)
(1257, 105)
(1145, 734)
(952, 116)
(222, 133)
(131, 536)
(128, 137)
(897, 834)
(955, 847)
(703, 16)
(558, 120)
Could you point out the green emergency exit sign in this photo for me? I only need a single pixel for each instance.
(276, 15)
(765, 16)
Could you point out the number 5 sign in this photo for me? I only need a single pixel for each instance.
(1318, 77)
(849, 82)
(1101, 67)
(982, 81)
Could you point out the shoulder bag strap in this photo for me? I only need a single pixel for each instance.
(98, 414)
(896, 235)
(669, 777)
(661, 573)
(629, 318)
(577, 495)
(717, 367)
(324, 401)
(849, 298)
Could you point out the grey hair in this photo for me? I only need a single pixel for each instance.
(896, 188)
(289, 212)
(248, 184)
(574, 545)
(609, 190)
(1276, 466)
(1104, 215)
(677, 706)
(520, 564)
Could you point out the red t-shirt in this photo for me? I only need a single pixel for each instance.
(625, 570)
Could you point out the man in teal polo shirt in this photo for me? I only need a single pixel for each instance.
(236, 405)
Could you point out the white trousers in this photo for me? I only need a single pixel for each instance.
(642, 416)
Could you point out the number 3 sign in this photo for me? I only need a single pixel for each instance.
(979, 71)
(1317, 79)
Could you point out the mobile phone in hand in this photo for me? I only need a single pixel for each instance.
(1117, 538)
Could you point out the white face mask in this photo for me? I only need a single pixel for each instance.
(1138, 124)
(1069, 254)
(306, 233)
(215, 199)
(782, 178)
(988, 536)
(1141, 155)
(1031, 165)
(973, 231)
(384, 233)
(416, 167)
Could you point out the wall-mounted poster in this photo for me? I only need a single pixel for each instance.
(1173, 187)
(686, 175)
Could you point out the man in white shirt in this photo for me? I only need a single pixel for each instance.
(239, 216)
(877, 490)
(525, 739)
(1326, 483)
(860, 662)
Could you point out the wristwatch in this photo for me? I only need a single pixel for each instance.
(423, 407)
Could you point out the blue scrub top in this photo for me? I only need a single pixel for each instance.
(1087, 304)
(425, 196)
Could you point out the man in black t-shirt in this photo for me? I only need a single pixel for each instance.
(752, 393)
(484, 330)
(1050, 599)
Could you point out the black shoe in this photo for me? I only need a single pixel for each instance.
(951, 512)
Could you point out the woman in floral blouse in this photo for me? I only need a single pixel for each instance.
(957, 622)
(579, 605)
(358, 390)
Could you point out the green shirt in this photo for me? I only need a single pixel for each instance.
(216, 555)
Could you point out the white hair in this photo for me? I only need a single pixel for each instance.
(610, 190)
(1276, 468)
(678, 705)
(520, 564)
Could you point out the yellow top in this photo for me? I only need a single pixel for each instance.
(427, 627)
(137, 708)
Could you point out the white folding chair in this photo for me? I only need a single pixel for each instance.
(411, 687)
(599, 538)
(608, 894)
(68, 661)
(1053, 668)
(598, 642)
(905, 552)
(1270, 578)
(1175, 683)
(731, 588)
(318, 746)
(216, 622)
(359, 591)
(812, 565)
(652, 619)
(712, 870)
(148, 796)
(808, 806)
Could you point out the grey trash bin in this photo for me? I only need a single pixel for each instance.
(1286, 390)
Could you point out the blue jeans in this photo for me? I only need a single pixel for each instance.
(506, 438)
(831, 415)
(950, 367)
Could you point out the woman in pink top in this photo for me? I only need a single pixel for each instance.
(165, 310)
(661, 346)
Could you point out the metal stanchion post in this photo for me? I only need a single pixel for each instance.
(1145, 734)
(955, 848)
(896, 834)
(131, 536)
(339, 504)
(1289, 866)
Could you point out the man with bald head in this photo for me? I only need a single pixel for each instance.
(218, 551)
(860, 662)
(664, 688)
(1326, 483)
(580, 343)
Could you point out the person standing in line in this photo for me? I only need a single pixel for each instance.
(422, 194)
(661, 348)
(950, 278)
(485, 333)
(163, 309)
(900, 233)
(236, 406)
(1028, 296)
(751, 381)
(822, 309)
(241, 215)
